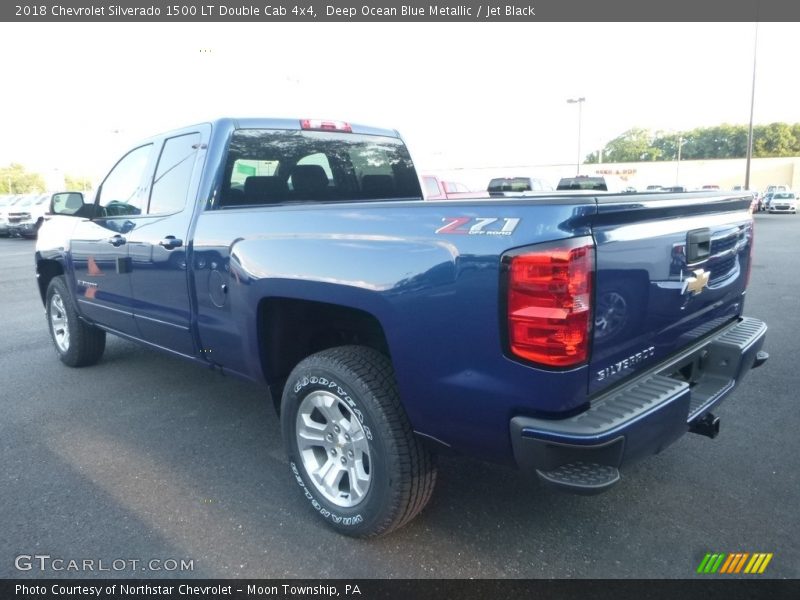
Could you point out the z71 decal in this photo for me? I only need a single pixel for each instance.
(478, 225)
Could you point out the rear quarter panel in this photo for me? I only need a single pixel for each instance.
(436, 296)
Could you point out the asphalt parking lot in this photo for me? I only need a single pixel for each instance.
(144, 457)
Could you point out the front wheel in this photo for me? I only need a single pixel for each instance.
(77, 343)
(351, 447)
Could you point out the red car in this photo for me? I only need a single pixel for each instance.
(435, 189)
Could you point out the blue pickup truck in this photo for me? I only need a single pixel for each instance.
(566, 333)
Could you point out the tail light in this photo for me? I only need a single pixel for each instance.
(550, 302)
(750, 255)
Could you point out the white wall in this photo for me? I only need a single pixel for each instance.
(691, 173)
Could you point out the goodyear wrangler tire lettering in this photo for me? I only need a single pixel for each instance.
(323, 512)
(350, 444)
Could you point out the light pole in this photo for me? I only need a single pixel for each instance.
(579, 102)
(752, 104)
(678, 162)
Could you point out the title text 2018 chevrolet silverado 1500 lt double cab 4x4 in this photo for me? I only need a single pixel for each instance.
(567, 334)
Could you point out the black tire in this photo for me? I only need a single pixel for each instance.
(77, 343)
(399, 470)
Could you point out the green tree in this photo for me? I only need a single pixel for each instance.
(14, 179)
(632, 146)
(796, 134)
(775, 139)
(77, 184)
(720, 141)
(667, 145)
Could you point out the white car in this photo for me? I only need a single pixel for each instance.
(783, 202)
(25, 217)
(7, 204)
(774, 188)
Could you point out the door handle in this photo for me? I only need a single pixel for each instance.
(170, 242)
(116, 240)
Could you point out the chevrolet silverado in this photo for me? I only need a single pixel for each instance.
(567, 334)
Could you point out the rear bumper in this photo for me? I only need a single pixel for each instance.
(641, 417)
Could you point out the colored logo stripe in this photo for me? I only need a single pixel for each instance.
(758, 563)
(733, 563)
(710, 563)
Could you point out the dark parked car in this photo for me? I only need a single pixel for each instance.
(583, 182)
(517, 186)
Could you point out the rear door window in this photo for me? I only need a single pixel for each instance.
(173, 174)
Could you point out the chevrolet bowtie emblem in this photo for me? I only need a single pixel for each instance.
(696, 283)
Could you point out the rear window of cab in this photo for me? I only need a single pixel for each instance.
(266, 166)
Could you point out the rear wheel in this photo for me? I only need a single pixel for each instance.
(77, 343)
(350, 444)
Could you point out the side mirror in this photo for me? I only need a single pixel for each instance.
(67, 203)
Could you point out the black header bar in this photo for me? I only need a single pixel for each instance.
(266, 11)
(702, 588)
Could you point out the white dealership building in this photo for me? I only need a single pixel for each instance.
(692, 174)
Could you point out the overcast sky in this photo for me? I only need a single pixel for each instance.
(463, 95)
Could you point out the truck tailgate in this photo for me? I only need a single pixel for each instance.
(670, 270)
